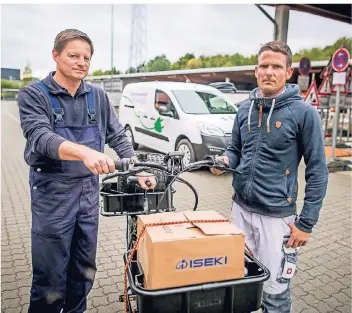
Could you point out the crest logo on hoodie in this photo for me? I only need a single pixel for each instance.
(278, 124)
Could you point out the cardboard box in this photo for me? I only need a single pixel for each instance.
(190, 253)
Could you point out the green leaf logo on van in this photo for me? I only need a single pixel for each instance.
(158, 127)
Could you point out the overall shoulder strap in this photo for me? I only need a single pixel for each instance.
(58, 111)
(91, 107)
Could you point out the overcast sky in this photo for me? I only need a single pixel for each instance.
(28, 31)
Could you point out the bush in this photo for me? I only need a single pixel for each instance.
(12, 84)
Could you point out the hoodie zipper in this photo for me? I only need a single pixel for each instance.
(252, 167)
(260, 115)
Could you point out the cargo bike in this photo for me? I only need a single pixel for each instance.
(122, 196)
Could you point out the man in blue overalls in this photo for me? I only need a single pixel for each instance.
(66, 123)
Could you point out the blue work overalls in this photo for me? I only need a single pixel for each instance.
(65, 213)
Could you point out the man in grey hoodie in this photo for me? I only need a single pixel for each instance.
(273, 130)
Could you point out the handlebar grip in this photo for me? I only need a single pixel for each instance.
(134, 180)
(118, 165)
(221, 162)
(122, 165)
(213, 160)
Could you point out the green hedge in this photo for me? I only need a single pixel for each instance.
(12, 84)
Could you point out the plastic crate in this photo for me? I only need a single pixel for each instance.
(242, 295)
(122, 203)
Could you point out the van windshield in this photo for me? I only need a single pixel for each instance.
(200, 102)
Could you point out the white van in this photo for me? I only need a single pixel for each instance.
(169, 116)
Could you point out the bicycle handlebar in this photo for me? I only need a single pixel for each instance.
(126, 165)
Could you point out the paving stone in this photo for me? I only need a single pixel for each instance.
(10, 303)
(99, 301)
(342, 298)
(300, 305)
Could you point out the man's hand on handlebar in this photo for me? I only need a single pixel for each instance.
(97, 162)
(146, 180)
(223, 159)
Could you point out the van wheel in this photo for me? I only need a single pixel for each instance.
(185, 146)
(130, 137)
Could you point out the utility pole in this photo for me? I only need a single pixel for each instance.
(138, 40)
(112, 44)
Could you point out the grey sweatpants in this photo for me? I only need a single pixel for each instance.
(264, 236)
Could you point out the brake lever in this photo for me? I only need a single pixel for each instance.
(227, 169)
(145, 198)
(220, 165)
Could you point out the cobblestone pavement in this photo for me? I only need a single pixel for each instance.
(323, 283)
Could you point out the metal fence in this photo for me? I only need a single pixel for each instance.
(327, 115)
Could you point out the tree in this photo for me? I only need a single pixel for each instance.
(98, 73)
(317, 54)
(237, 59)
(193, 63)
(131, 70)
(190, 61)
(182, 61)
(114, 71)
(159, 63)
(107, 72)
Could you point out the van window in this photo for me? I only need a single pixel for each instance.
(200, 102)
(161, 98)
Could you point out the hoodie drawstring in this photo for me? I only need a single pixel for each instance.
(269, 116)
(261, 115)
(249, 115)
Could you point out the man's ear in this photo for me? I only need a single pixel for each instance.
(55, 55)
(289, 73)
(256, 71)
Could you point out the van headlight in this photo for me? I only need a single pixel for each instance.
(210, 130)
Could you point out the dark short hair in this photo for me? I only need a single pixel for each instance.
(67, 35)
(278, 46)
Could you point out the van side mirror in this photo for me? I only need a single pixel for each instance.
(164, 111)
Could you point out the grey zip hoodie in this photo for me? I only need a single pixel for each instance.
(37, 120)
(269, 138)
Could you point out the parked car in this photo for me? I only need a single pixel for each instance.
(236, 96)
